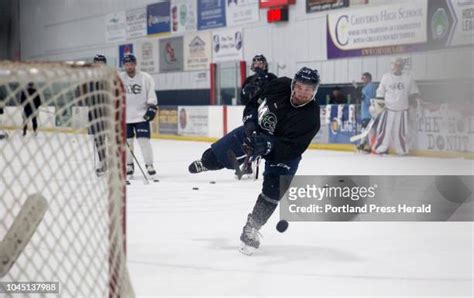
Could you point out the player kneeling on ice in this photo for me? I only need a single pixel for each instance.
(397, 89)
(141, 109)
(278, 126)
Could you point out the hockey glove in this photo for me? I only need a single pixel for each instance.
(250, 124)
(150, 113)
(258, 145)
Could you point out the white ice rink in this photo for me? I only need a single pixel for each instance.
(184, 242)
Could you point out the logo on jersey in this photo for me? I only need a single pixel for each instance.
(134, 89)
(397, 86)
(266, 119)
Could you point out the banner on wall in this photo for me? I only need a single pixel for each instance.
(227, 45)
(147, 55)
(115, 27)
(320, 5)
(171, 54)
(391, 27)
(197, 50)
(242, 12)
(211, 14)
(124, 50)
(193, 120)
(341, 123)
(444, 127)
(168, 120)
(158, 18)
(183, 16)
(136, 23)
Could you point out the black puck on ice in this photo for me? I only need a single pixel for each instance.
(195, 188)
(213, 182)
(282, 225)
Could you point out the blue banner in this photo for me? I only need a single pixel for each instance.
(342, 123)
(211, 14)
(158, 18)
(123, 50)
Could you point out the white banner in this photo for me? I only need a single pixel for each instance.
(242, 12)
(147, 55)
(445, 128)
(115, 27)
(183, 16)
(136, 23)
(378, 26)
(197, 50)
(227, 45)
(463, 32)
(193, 120)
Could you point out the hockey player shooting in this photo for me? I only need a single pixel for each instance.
(141, 109)
(278, 127)
(397, 89)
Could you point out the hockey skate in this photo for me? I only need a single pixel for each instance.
(197, 167)
(250, 237)
(130, 170)
(151, 172)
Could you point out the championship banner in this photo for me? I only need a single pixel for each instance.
(136, 23)
(377, 30)
(445, 127)
(147, 55)
(115, 27)
(211, 14)
(242, 12)
(197, 50)
(183, 16)
(193, 120)
(171, 54)
(320, 5)
(158, 18)
(341, 123)
(124, 50)
(168, 120)
(227, 45)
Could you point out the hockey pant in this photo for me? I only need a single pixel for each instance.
(392, 128)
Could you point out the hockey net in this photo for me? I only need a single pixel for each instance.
(62, 189)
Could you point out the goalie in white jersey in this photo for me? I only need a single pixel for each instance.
(397, 89)
(141, 109)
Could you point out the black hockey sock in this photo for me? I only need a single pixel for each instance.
(209, 160)
(263, 209)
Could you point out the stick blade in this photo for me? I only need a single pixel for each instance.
(21, 231)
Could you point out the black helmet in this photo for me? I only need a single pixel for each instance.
(100, 58)
(259, 58)
(307, 76)
(129, 58)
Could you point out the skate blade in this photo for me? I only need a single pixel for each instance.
(246, 250)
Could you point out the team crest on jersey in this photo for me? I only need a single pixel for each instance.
(134, 89)
(266, 119)
(397, 86)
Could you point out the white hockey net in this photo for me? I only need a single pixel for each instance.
(75, 162)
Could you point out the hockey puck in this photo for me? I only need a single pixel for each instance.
(195, 188)
(213, 182)
(282, 225)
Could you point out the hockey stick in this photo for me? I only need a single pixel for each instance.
(365, 133)
(235, 163)
(21, 231)
(146, 181)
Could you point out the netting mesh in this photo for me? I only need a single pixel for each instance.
(75, 161)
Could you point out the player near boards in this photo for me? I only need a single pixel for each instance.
(277, 126)
(141, 109)
(255, 82)
(398, 90)
(30, 101)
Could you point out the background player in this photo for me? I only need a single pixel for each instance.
(31, 101)
(397, 89)
(255, 82)
(141, 108)
(278, 126)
